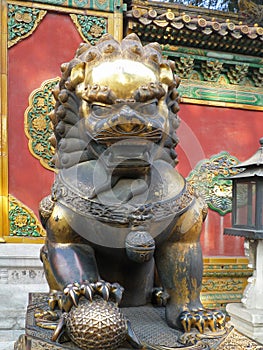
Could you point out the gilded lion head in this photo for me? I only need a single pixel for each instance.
(119, 92)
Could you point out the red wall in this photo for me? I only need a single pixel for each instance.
(30, 62)
(204, 130)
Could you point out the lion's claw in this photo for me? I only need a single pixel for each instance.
(87, 290)
(116, 291)
(55, 300)
(108, 290)
(46, 318)
(103, 289)
(74, 291)
(159, 297)
(201, 319)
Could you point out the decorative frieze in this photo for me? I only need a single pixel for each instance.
(211, 70)
(22, 21)
(224, 280)
(184, 66)
(21, 272)
(237, 73)
(209, 178)
(102, 5)
(22, 220)
(4, 276)
(221, 94)
(91, 28)
(218, 57)
(38, 125)
(211, 66)
(21, 275)
(257, 77)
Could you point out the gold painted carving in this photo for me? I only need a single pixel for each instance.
(224, 280)
(91, 28)
(3, 125)
(224, 285)
(23, 221)
(37, 123)
(238, 341)
(22, 22)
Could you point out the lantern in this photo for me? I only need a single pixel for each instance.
(247, 207)
(247, 221)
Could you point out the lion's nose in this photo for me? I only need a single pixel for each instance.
(128, 120)
(128, 127)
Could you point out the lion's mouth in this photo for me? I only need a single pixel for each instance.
(117, 133)
(129, 153)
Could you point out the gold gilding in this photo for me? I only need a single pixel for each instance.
(128, 96)
(122, 76)
(4, 224)
(77, 73)
(166, 75)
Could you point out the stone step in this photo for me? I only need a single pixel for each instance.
(7, 345)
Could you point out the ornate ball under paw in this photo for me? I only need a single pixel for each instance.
(140, 246)
(96, 324)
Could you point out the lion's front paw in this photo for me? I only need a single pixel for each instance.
(109, 291)
(46, 318)
(74, 291)
(202, 319)
(159, 297)
(55, 300)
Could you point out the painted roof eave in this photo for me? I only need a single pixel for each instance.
(204, 26)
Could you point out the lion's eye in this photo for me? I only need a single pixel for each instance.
(148, 109)
(100, 111)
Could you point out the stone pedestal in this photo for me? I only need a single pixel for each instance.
(247, 321)
(21, 272)
(148, 324)
(247, 316)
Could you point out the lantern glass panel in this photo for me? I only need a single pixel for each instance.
(253, 205)
(260, 203)
(245, 204)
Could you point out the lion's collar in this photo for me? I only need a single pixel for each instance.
(151, 205)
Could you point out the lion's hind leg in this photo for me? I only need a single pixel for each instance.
(180, 264)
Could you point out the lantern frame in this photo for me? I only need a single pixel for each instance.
(247, 192)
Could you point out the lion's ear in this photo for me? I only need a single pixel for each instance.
(77, 74)
(166, 74)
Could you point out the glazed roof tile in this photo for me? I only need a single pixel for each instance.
(195, 27)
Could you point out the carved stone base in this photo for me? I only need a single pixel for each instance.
(149, 325)
(247, 321)
(21, 272)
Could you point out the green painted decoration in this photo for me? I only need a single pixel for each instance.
(209, 179)
(22, 21)
(105, 5)
(218, 77)
(201, 54)
(220, 300)
(37, 122)
(91, 28)
(219, 93)
(22, 220)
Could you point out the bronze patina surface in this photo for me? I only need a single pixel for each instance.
(123, 226)
(149, 325)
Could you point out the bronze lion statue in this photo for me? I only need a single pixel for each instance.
(120, 215)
